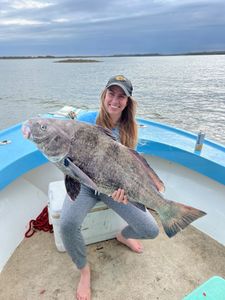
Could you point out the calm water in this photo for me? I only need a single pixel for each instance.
(183, 91)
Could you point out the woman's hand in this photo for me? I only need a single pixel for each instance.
(120, 196)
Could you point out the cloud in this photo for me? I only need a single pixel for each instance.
(109, 26)
(29, 4)
(19, 22)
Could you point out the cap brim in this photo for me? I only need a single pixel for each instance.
(121, 86)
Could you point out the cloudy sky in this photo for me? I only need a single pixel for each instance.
(101, 27)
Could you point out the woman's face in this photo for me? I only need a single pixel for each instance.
(115, 100)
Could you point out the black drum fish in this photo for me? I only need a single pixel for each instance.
(89, 154)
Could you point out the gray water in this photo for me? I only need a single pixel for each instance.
(184, 91)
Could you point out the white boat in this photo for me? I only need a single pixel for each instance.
(196, 178)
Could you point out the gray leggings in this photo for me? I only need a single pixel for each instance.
(141, 223)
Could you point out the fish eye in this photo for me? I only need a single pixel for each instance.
(43, 127)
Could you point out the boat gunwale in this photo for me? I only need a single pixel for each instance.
(183, 132)
(31, 157)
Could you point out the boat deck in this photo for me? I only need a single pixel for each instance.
(168, 269)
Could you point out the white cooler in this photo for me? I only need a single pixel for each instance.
(101, 223)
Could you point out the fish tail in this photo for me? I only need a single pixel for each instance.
(176, 216)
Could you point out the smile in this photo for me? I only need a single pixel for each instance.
(113, 106)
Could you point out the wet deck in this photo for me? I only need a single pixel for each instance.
(168, 269)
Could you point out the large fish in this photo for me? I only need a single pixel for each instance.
(89, 154)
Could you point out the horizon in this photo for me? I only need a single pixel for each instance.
(212, 52)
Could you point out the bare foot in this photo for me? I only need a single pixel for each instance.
(133, 244)
(84, 285)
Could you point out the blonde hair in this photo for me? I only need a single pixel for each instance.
(127, 125)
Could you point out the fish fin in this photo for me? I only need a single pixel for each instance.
(72, 187)
(80, 174)
(151, 173)
(176, 216)
(106, 131)
(139, 205)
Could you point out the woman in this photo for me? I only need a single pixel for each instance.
(117, 112)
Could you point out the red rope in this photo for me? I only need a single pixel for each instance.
(41, 223)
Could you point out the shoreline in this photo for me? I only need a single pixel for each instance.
(77, 61)
(113, 55)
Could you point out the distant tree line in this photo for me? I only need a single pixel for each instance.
(116, 55)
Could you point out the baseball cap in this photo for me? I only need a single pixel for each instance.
(122, 82)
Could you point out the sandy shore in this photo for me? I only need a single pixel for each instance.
(168, 269)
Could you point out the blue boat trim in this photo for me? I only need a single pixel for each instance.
(21, 156)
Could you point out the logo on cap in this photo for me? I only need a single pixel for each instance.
(120, 78)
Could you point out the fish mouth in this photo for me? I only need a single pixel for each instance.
(26, 130)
